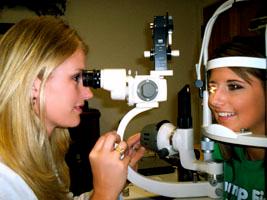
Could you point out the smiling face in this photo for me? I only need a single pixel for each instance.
(236, 103)
(65, 93)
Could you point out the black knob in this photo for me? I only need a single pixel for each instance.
(163, 153)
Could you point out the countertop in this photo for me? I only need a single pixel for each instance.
(132, 192)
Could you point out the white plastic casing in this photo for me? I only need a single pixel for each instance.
(114, 80)
(123, 86)
(134, 89)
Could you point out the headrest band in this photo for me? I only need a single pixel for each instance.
(237, 61)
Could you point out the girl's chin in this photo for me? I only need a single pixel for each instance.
(230, 126)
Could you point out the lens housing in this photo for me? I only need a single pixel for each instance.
(91, 78)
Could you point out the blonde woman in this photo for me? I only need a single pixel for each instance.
(41, 95)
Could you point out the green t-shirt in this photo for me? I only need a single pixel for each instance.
(243, 178)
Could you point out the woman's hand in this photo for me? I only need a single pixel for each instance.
(108, 165)
(135, 150)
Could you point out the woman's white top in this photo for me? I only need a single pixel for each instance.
(13, 187)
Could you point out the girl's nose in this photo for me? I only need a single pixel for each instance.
(217, 97)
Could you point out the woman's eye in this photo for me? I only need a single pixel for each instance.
(77, 77)
(234, 87)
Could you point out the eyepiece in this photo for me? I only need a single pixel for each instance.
(91, 78)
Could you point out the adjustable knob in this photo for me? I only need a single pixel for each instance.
(163, 153)
(147, 90)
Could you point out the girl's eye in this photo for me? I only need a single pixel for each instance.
(234, 86)
(77, 77)
(212, 89)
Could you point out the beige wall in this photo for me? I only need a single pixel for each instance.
(118, 32)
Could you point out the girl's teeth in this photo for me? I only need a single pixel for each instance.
(225, 114)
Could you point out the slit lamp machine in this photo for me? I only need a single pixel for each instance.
(144, 92)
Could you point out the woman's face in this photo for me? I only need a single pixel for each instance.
(236, 103)
(65, 93)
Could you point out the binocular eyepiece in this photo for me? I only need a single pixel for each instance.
(91, 78)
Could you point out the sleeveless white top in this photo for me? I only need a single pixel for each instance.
(13, 187)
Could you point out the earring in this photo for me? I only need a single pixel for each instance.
(33, 100)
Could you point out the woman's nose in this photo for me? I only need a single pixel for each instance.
(87, 93)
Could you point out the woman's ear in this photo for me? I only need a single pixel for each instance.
(36, 88)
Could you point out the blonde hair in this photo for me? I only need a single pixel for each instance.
(33, 48)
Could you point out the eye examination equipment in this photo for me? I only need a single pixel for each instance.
(146, 91)
(142, 90)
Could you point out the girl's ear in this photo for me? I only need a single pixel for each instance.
(36, 88)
